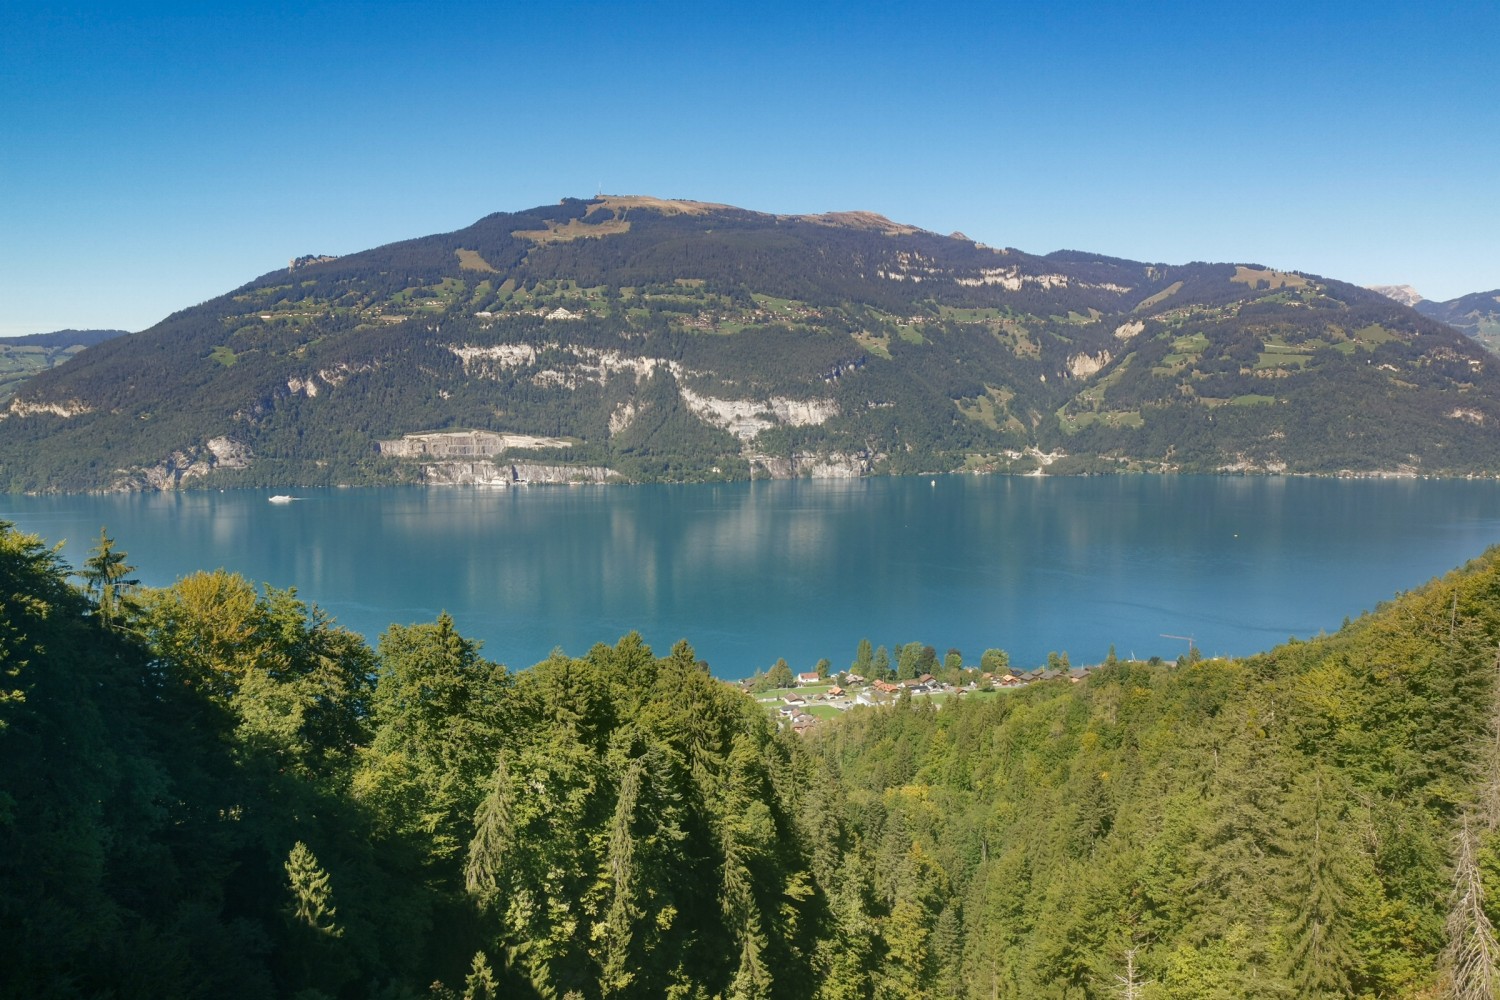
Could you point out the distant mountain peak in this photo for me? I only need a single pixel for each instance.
(1404, 294)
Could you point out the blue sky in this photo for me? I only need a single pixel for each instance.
(156, 155)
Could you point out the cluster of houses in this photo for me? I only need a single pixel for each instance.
(849, 690)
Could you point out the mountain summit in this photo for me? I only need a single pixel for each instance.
(1404, 294)
(636, 338)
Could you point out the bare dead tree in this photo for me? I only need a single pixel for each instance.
(1130, 986)
(1472, 947)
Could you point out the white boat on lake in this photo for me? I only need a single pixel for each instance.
(280, 498)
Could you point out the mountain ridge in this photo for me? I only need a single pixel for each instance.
(677, 340)
(1476, 314)
(23, 357)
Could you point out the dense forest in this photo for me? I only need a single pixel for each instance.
(682, 341)
(211, 790)
(21, 358)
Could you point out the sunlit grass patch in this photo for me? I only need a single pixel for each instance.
(1159, 297)
(470, 260)
(1253, 276)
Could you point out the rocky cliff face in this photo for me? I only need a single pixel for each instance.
(812, 466)
(1404, 294)
(463, 444)
(504, 474)
(181, 467)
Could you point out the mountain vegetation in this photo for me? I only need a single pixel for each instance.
(640, 339)
(212, 790)
(23, 357)
(1477, 315)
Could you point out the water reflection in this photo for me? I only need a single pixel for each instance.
(753, 571)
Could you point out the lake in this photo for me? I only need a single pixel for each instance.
(750, 572)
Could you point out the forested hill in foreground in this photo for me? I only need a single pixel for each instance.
(630, 338)
(209, 791)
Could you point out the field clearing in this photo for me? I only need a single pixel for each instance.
(1024, 346)
(1074, 318)
(1374, 335)
(1071, 422)
(1185, 349)
(991, 410)
(1093, 396)
(19, 363)
(877, 344)
(1252, 399)
(1159, 297)
(1277, 353)
(773, 304)
(470, 260)
(23, 359)
(1274, 279)
(976, 315)
(776, 694)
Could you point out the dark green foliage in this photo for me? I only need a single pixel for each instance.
(216, 792)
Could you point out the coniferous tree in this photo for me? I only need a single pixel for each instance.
(311, 892)
(864, 659)
(481, 984)
(493, 834)
(107, 577)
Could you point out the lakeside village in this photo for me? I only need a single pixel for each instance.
(816, 695)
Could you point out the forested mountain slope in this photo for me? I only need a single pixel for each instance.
(639, 339)
(1477, 315)
(22, 357)
(212, 791)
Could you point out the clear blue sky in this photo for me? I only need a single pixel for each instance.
(156, 155)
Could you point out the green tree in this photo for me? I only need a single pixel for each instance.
(864, 659)
(995, 661)
(314, 958)
(439, 713)
(907, 658)
(780, 675)
(106, 577)
(312, 892)
(480, 983)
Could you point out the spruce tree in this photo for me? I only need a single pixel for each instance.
(312, 892)
(105, 574)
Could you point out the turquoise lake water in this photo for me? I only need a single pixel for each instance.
(754, 571)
